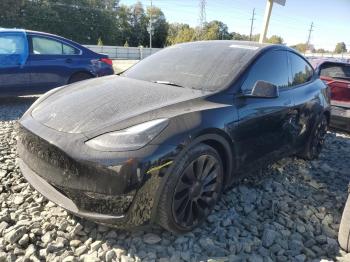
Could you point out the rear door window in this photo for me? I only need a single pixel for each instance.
(47, 46)
(301, 71)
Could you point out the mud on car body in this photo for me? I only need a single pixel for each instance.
(159, 143)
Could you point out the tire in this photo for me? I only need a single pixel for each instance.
(191, 190)
(314, 146)
(344, 228)
(79, 77)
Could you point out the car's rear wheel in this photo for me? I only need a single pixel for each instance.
(192, 189)
(344, 228)
(79, 77)
(315, 144)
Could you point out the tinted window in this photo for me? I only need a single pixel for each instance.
(301, 71)
(271, 67)
(335, 70)
(46, 46)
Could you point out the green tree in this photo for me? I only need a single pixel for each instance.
(215, 30)
(275, 39)
(159, 25)
(302, 47)
(238, 36)
(179, 33)
(340, 48)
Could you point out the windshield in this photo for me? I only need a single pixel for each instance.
(204, 66)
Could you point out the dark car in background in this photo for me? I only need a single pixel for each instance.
(336, 75)
(160, 142)
(35, 62)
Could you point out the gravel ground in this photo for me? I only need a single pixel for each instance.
(291, 212)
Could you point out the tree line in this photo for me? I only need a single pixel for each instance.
(106, 22)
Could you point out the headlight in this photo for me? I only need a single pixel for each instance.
(131, 138)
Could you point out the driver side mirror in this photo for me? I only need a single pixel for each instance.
(264, 89)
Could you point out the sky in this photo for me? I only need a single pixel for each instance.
(292, 22)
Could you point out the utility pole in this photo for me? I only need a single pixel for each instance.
(268, 9)
(251, 25)
(309, 37)
(150, 25)
(202, 15)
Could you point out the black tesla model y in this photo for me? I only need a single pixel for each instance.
(160, 142)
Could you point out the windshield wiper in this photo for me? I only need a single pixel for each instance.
(167, 83)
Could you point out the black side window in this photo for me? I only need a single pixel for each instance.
(335, 71)
(302, 72)
(271, 67)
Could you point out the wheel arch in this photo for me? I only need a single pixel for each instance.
(222, 143)
(80, 72)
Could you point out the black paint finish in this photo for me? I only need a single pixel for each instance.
(123, 188)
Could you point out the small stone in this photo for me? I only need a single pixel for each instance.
(30, 250)
(81, 250)
(119, 252)
(110, 255)
(3, 226)
(3, 256)
(269, 237)
(24, 240)
(96, 245)
(151, 238)
(70, 259)
(126, 259)
(300, 258)
(14, 235)
(47, 237)
(77, 229)
(18, 200)
(74, 243)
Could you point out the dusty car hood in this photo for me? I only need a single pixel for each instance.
(93, 104)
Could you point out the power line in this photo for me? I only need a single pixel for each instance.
(251, 25)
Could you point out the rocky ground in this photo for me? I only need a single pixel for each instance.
(291, 212)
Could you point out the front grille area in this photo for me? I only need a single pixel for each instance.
(46, 152)
(73, 179)
(99, 203)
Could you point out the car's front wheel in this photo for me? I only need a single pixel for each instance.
(192, 189)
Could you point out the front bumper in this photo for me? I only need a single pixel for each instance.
(46, 189)
(111, 189)
(340, 118)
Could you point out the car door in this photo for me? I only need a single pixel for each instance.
(307, 97)
(14, 75)
(51, 62)
(263, 131)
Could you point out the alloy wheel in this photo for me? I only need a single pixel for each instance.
(197, 191)
(319, 137)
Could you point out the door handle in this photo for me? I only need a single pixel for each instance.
(69, 60)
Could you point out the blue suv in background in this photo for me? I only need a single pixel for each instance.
(35, 62)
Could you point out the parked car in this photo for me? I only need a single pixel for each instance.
(344, 227)
(160, 142)
(35, 62)
(337, 76)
